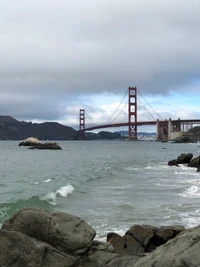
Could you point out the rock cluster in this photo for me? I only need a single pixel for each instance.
(34, 143)
(142, 238)
(186, 158)
(34, 237)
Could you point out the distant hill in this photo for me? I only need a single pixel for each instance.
(103, 135)
(12, 129)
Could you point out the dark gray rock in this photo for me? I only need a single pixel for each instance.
(142, 233)
(53, 146)
(181, 251)
(142, 238)
(66, 235)
(19, 250)
(102, 254)
(195, 162)
(184, 158)
(173, 162)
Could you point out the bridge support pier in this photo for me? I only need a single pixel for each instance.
(132, 113)
(168, 130)
(82, 124)
(174, 130)
(162, 130)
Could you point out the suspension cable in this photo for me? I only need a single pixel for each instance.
(89, 118)
(146, 109)
(150, 106)
(116, 109)
(119, 112)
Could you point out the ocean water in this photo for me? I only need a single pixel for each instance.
(112, 185)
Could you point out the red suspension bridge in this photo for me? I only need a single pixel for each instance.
(165, 129)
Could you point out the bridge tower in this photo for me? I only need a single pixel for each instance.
(132, 113)
(82, 124)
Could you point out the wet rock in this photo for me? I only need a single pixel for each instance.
(184, 158)
(173, 162)
(195, 163)
(53, 146)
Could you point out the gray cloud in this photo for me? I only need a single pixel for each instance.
(54, 51)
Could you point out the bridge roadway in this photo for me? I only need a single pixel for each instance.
(139, 123)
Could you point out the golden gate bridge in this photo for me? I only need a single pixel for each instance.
(165, 129)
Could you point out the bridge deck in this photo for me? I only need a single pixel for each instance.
(139, 124)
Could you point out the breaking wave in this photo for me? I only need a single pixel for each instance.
(62, 191)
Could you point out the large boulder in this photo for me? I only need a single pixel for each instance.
(19, 250)
(44, 239)
(182, 251)
(30, 141)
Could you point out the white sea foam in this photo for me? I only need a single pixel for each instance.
(156, 167)
(107, 168)
(191, 192)
(133, 169)
(101, 235)
(185, 170)
(50, 197)
(47, 181)
(186, 173)
(166, 185)
(63, 191)
(194, 182)
(103, 228)
(191, 220)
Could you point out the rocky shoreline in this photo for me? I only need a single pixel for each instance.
(33, 237)
(188, 159)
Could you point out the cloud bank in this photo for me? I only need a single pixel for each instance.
(54, 54)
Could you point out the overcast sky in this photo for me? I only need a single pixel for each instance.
(57, 56)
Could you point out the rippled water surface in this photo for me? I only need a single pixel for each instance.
(110, 184)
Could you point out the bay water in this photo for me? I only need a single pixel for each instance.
(112, 185)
